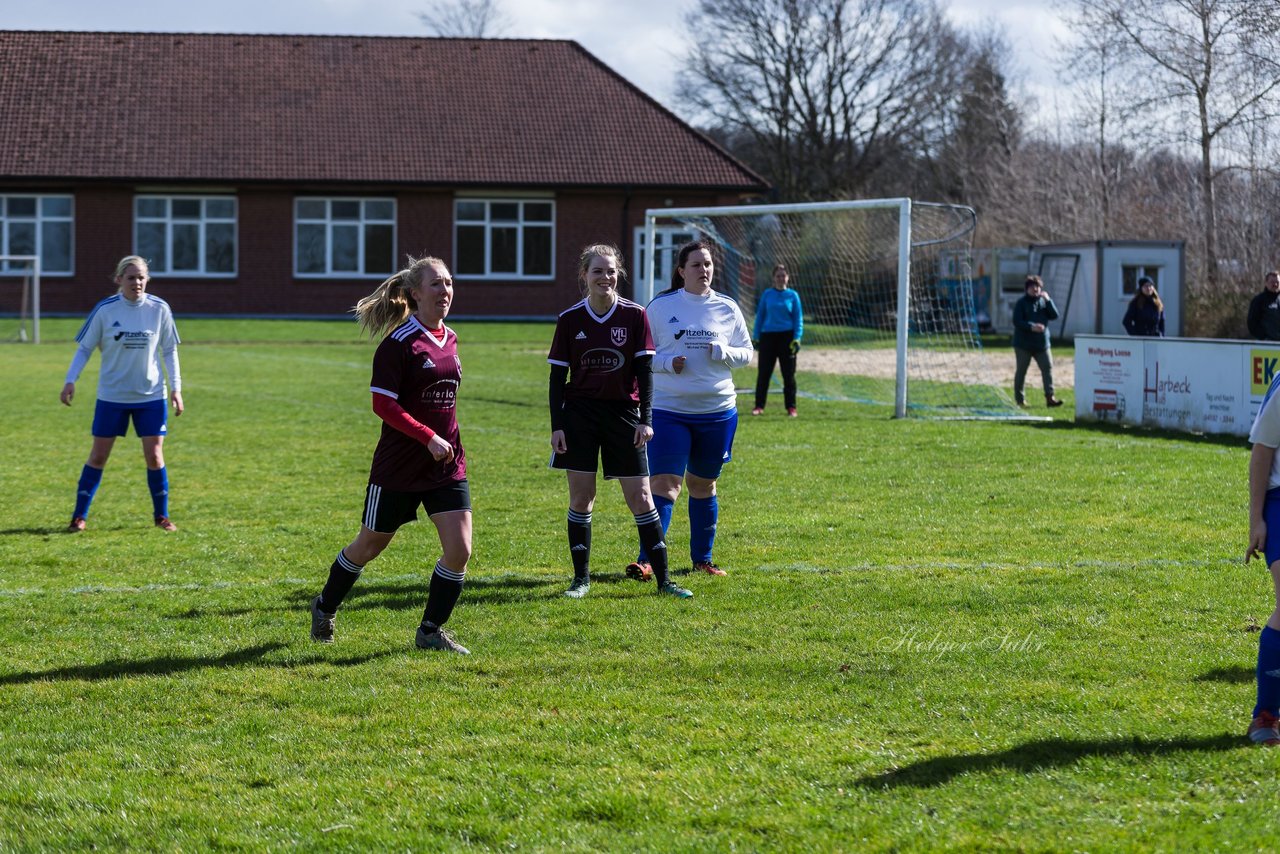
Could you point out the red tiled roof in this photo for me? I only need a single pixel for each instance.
(423, 111)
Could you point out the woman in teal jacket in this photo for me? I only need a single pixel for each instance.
(778, 328)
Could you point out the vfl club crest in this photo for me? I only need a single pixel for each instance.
(618, 334)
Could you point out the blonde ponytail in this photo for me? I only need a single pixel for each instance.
(391, 302)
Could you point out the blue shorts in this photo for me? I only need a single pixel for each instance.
(1271, 515)
(699, 444)
(112, 419)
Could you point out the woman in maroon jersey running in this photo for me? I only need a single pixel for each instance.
(419, 458)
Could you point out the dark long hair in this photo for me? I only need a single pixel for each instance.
(677, 280)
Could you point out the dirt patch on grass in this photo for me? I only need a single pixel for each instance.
(990, 367)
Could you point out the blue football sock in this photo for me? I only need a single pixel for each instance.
(663, 505)
(158, 483)
(90, 477)
(1268, 672)
(704, 514)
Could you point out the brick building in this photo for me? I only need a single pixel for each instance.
(287, 175)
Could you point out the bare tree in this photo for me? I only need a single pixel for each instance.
(815, 92)
(1095, 64)
(476, 19)
(986, 127)
(1210, 68)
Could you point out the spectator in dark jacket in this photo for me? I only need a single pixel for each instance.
(1264, 311)
(1146, 311)
(1031, 316)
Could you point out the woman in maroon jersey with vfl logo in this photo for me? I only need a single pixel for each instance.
(419, 458)
(600, 417)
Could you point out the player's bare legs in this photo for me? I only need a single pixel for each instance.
(455, 538)
(367, 545)
(153, 451)
(100, 452)
(582, 491)
(635, 490)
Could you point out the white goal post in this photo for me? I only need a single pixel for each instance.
(25, 269)
(884, 297)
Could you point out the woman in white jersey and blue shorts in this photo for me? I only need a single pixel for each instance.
(700, 336)
(139, 344)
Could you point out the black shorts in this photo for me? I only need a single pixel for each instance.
(602, 431)
(385, 511)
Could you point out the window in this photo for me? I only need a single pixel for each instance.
(36, 225)
(194, 235)
(344, 237)
(668, 239)
(509, 239)
(1130, 273)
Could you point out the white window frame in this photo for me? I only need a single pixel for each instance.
(668, 239)
(38, 219)
(1155, 271)
(520, 222)
(329, 222)
(166, 269)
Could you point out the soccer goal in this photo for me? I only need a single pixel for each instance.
(20, 298)
(888, 300)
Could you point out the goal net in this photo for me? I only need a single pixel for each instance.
(20, 298)
(887, 296)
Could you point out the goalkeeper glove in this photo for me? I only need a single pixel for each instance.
(795, 346)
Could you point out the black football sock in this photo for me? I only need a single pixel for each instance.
(342, 577)
(580, 543)
(649, 524)
(446, 587)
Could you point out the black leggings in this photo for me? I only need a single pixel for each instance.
(776, 346)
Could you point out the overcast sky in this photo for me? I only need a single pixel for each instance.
(644, 40)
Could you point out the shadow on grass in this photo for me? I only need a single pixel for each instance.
(503, 590)
(478, 591)
(168, 665)
(1229, 674)
(33, 532)
(524, 404)
(1222, 439)
(1038, 755)
(198, 613)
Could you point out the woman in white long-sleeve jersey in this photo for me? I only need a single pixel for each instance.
(700, 336)
(139, 343)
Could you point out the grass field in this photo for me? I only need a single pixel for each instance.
(933, 635)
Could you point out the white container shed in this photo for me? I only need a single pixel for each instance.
(1092, 283)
